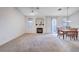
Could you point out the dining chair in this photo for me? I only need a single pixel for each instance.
(60, 32)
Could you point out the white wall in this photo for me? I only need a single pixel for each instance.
(75, 20)
(11, 24)
(48, 24)
(59, 20)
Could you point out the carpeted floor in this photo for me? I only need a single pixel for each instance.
(40, 43)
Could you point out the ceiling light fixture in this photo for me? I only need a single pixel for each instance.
(68, 15)
(59, 9)
(33, 12)
(67, 19)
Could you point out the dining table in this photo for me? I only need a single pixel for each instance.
(65, 31)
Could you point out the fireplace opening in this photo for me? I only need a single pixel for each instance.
(39, 30)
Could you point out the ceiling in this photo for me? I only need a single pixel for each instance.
(48, 11)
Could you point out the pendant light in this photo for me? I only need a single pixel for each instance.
(67, 20)
(68, 15)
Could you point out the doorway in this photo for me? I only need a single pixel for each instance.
(54, 26)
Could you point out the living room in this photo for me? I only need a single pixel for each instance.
(35, 28)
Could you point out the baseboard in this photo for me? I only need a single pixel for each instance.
(11, 39)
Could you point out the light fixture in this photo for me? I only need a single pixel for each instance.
(59, 9)
(68, 15)
(33, 12)
(67, 19)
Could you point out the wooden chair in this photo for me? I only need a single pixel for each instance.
(60, 33)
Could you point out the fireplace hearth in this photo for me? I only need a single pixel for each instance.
(39, 30)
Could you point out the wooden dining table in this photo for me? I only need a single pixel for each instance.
(65, 31)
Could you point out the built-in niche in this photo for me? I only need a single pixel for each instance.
(39, 22)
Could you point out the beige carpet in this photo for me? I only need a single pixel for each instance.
(39, 43)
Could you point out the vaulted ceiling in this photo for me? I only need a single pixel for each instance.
(48, 11)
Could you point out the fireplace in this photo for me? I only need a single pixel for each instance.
(39, 30)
